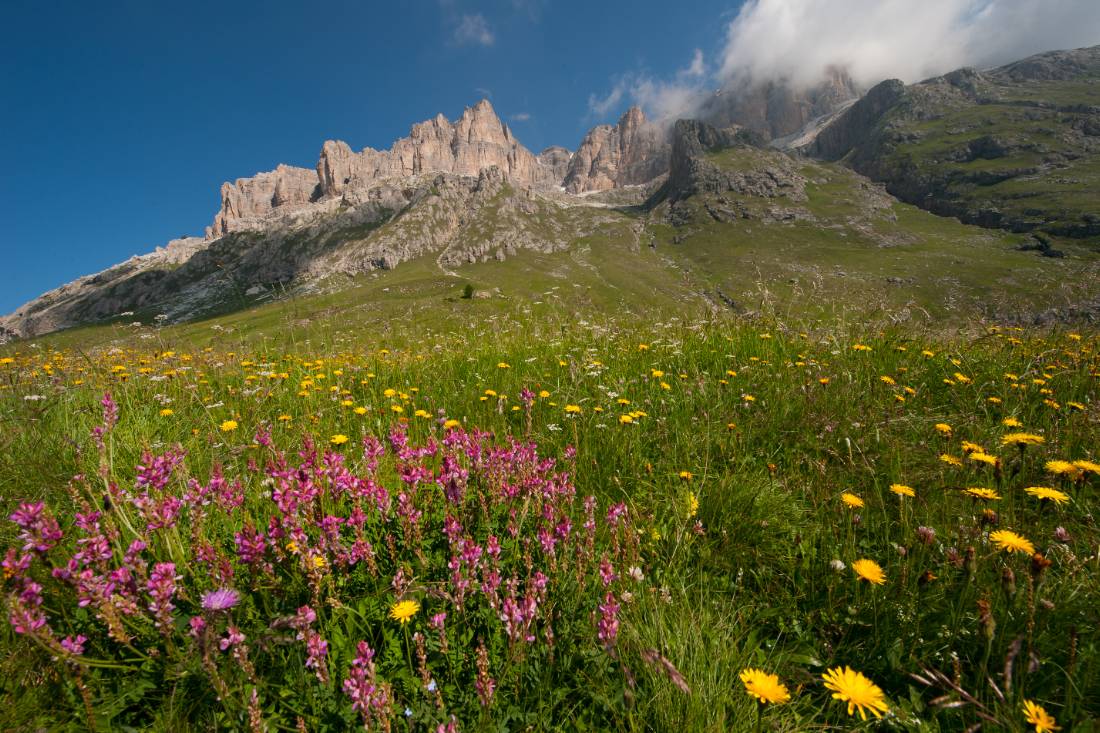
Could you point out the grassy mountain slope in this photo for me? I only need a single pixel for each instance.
(1016, 147)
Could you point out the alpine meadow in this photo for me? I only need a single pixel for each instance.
(776, 409)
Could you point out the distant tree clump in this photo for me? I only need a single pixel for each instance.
(468, 291)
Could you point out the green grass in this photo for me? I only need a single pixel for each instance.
(769, 447)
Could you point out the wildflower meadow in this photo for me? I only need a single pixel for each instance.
(530, 525)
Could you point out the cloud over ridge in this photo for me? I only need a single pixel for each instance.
(798, 40)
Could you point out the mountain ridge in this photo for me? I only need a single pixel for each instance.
(468, 191)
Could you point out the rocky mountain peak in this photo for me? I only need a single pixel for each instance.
(476, 141)
(631, 152)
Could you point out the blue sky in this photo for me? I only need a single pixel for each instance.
(120, 120)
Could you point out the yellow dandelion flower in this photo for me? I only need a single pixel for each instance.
(687, 475)
(1087, 466)
(360, 410)
(284, 418)
(166, 412)
(950, 460)
(870, 571)
(885, 379)
(1011, 542)
(1062, 468)
(859, 692)
(1037, 715)
(543, 394)
(338, 439)
(228, 426)
(1044, 493)
(403, 611)
(942, 428)
(985, 458)
(902, 490)
(573, 409)
(1022, 439)
(851, 500)
(766, 688)
(625, 419)
(450, 423)
(1011, 422)
(982, 493)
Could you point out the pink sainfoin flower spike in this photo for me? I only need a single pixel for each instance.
(232, 638)
(316, 651)
(485, 684)
(614, 513)
(110, 411)
(607, 629)
(37, 528)
(74, 645)
(26, 612)
(369, 695)
(161, 587)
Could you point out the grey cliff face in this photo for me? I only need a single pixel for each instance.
(775, 109)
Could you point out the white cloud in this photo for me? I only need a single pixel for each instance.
(602, 106)
(531, 8)
(473, 30)
(698, 67)
(483, 92)
(663, 100)
(520, 117)
(879, 39)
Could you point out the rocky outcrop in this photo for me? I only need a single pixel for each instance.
(254, 198)
(632, 152)
(692, 171)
